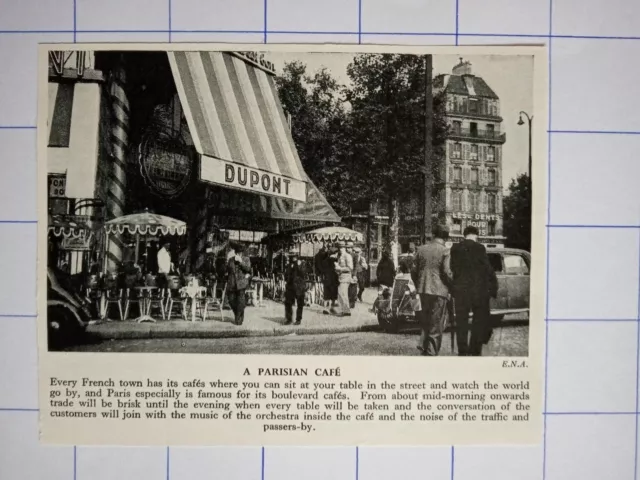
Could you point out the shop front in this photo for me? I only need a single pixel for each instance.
(199, 137)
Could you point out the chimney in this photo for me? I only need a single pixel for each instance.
(463, 68)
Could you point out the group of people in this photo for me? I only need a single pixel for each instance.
(343, 270)
(462, 274)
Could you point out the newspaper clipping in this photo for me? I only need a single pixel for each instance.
(291, 244)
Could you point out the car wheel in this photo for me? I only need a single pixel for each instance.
(496, 320)
(63, 328)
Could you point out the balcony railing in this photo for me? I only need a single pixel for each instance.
(479, 112)
(478, 133)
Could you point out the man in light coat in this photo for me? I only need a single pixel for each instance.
(344, 268)
(433, 275)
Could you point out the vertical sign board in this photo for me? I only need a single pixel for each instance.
(57, 186)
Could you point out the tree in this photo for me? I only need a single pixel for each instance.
(517, 214)
(387, 121)
(319, 128)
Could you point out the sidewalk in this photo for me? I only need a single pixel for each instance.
(259, 321)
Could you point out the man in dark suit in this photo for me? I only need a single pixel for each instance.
(296, 286)
(238, 273)
(433, 277)
(474, 283)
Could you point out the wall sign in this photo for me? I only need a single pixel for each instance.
(82, 244)
(59, 61)
(167, 173)
(474, 216)
(57, 186)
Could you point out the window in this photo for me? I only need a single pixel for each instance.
(491, 154)
(457, 201)
(473, 129)
(491, 201)
(474, 176)
(491, 131)
(492, 178)
(473, 105)
(495, 259)
(456, 151)
(491, 228)
(515, 265)
(473, 200)
(457, 174)
(456, 226)
(457, 127)
(474, 152)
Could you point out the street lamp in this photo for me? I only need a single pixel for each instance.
(521, 122)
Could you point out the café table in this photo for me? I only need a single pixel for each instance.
(260, 289)
(192, 291)
(144, 294)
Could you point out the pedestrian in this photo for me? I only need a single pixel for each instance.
(433, 273)
(353, 286)
(360, 266)
(296, 286)
(386, 270)
(238, 272)
(344, 268)
(330, 282)
(474, 284)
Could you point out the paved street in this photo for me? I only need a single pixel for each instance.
(511, 340)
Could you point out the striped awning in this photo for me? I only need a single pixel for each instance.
(237, 124)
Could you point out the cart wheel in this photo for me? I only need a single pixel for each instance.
(388, 321)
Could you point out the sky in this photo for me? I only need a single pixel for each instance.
(510, 77)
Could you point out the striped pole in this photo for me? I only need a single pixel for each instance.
(119, 140)
(202, 226)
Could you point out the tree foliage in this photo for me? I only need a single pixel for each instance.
(319, 128)
(517, 213)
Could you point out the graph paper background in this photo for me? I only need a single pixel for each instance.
(593, 229)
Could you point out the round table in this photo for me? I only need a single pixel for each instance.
(145, 302)
(192, 292)
(260, 287)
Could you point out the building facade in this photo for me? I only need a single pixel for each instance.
(469, 186)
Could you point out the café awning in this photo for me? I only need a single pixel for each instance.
(67, 226)
(237, 124)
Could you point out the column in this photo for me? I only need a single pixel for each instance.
(118, 141)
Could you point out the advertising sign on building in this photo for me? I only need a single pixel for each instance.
(82, 244)
(57, 186)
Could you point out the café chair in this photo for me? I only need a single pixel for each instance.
(212, 301)
(131, 295)
(155, 297)
(113, 295)
(173, 297)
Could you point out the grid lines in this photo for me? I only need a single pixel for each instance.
(456, 36)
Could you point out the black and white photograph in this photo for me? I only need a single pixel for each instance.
(289, 202)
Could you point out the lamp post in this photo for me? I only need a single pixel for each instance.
(521, 122)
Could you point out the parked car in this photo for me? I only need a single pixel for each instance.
(67, 313)
(394, 305)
